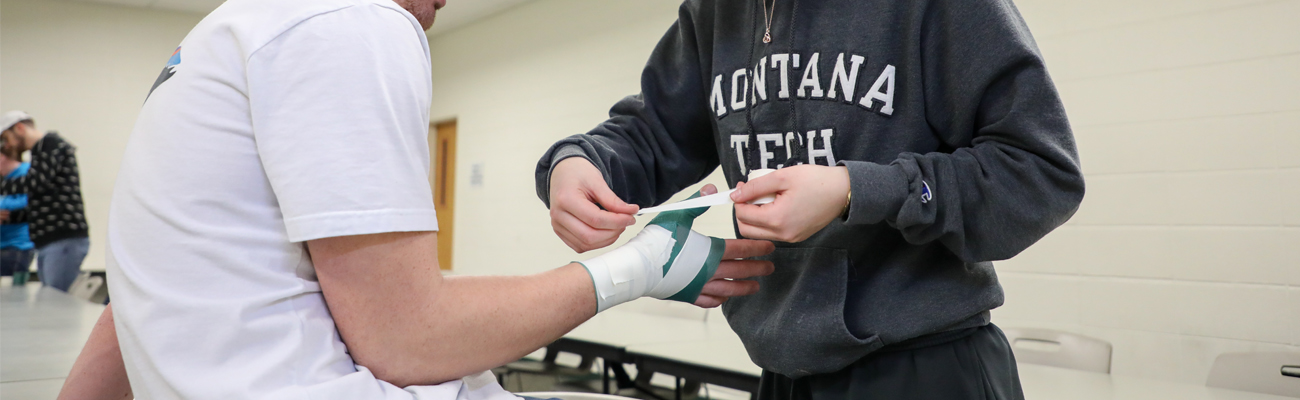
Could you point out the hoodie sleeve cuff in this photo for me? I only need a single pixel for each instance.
(878, 191)
(565, 151)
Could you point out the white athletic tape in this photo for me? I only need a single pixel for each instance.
(636, 269)
(711, 200)
(627, 272)
(754, 175)
(687, 264)
(702, 201)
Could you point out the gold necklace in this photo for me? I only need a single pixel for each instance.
(767, 19)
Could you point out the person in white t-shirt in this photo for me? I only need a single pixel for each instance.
(272, 236)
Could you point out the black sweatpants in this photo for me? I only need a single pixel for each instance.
(977, 366)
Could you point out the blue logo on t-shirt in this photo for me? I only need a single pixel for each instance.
(175, 60)
(926, 196)
(167, 72)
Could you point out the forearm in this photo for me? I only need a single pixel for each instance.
(480, 322)
(99, 372)
(1012, 173)
(409, 325)
(985, 203)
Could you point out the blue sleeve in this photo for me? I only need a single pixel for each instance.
(13, 202)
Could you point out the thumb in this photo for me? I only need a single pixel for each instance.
(708, 189)
(763, 186)
(607, 199)
(682, 217)
(692, 213)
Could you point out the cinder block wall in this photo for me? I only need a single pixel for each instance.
(1186, 246)
(1188, 242)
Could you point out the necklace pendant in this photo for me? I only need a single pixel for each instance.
(767, 37)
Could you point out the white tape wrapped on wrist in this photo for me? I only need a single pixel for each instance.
(638, 268)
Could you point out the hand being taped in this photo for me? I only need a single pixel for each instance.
(668, 260)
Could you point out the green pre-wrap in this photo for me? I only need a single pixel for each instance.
(666, 260)
(679, 223)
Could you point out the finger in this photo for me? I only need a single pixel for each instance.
(585, 236)
(758, 216)
(611, 202)
(741, 248)
(603, 243)
(740, 269)
(583, 245)
(726, 288)
(766, 185)
(567, 237)
(706, 301)
(708, 190)
(756, 232)
(594, 217)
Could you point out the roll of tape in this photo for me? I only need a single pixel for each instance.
(754, 175)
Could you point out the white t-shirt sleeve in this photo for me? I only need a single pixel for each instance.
(339, 108)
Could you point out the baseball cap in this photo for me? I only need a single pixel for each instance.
(13, 117)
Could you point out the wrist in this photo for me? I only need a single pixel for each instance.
(666, 265)
(562, 156)
(631, 270)
(882, 190)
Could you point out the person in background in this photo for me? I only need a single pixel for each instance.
(16, 248)
(56, 214)
(914, 142)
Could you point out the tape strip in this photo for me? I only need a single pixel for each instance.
(692, 291)
(695, 201)
(683, 270)
(691, 249)
(679, 223)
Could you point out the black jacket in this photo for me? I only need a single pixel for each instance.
(957, 145)
(53, 186)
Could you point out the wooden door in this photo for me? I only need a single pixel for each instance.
(442, 178)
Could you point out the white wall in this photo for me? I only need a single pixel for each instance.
(83, 69)
(1187, 244)
(516, 83)
(1188, 241)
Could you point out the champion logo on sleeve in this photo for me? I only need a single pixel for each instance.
(172, 64)
(926, 195)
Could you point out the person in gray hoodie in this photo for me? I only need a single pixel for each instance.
(915, 143)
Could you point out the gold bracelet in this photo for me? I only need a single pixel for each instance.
(844, 214)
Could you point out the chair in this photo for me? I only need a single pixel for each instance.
(573, 396)
(547, 366)
(1261, 372)
(1059, 349)
(89, 287)
(578, 377)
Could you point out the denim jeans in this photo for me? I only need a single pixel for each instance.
(12, 260)
(59, 262)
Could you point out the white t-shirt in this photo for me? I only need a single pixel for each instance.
(275, 122)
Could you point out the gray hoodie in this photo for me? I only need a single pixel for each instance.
(957, 145)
